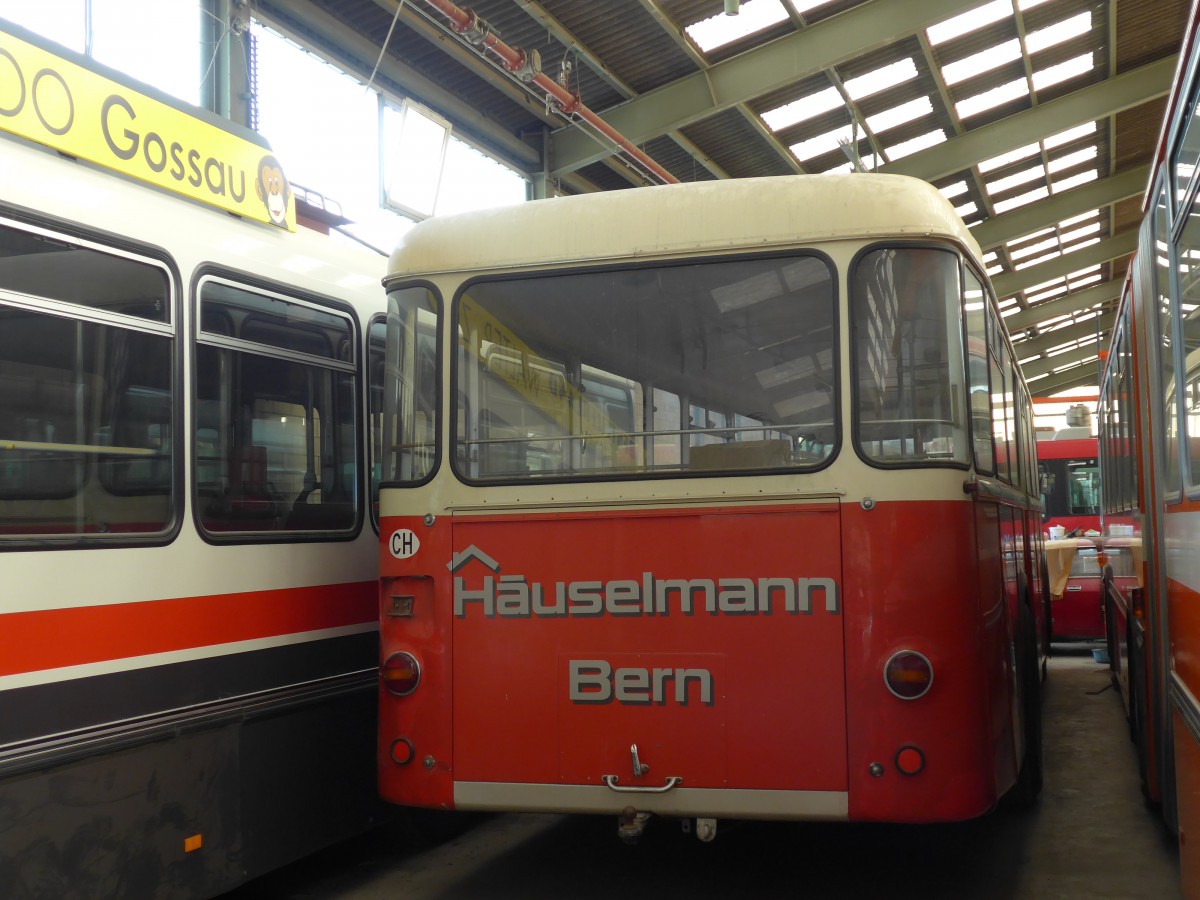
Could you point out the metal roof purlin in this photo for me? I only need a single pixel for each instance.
(781, 62)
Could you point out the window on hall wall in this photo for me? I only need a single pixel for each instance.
(324, 126)
(130, 40)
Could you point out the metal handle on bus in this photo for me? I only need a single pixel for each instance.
(611, 781)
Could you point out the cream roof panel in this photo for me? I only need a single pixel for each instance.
(681, 219)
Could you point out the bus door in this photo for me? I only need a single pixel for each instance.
(697, 646)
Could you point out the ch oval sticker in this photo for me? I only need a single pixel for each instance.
(404, 543)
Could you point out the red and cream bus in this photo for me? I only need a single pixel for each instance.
(188, 625)
(1149, 422)
(1069, 470)
(696, 503)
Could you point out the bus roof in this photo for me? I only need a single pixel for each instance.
(677, 219)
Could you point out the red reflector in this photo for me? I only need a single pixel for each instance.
(401, 673)
(908, 675)
(910, 760)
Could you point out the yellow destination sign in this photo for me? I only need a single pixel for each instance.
(63, 105)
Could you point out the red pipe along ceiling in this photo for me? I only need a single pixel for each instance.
(478, 33)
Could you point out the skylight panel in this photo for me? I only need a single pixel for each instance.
(803, 109)
(870, 162)
(1069, 236)
(951, 191)
(1044, 78)
(822, 143)
(1034, 248)
(1075, 220)
(881, 79)
(1023, 5)
(1011, 156)
(719, 30)
(1080, 273)
(990, 99)
(1072, 159)
(917, 144)
(1089, 279)
(969, 21)
(1071, 134)
(1074, 181)
(1022, 199)
(1059, 33)
(1030, 237)
(900, 115)
(1011, 181)
(1037, 261)
(984, 61)
(967, 209)
(1046, 295)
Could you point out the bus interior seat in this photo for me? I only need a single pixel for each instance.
(766, 454)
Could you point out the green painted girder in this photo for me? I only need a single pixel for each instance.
(1108, 249)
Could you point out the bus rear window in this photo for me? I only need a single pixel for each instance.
(906, 337)
(715, 367)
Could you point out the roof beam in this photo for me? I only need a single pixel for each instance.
(1071, 357)
(1035, 216)
(1098, 327)
(1096, 101)
(1108, 249)
(1105, 292)
(756, 72)
(1080, 376)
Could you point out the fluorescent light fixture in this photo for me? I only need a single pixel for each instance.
(881, 79)
(719, 30)
(969, 21)
(1058, 33)
(803, 109)
(983, 61)
(972, 106)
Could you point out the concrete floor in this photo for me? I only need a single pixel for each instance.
(1091, 836)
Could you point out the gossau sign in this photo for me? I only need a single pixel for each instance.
(55, 102)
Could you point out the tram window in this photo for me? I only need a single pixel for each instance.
(906, 333)
(55, 268)
(276, 443)
(1188, 256)
(86, 404)
(717, 366)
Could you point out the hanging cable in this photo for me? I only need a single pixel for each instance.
(386, 40)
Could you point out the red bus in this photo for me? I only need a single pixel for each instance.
(713, 500)
(188, 623)
(1149, 421)
(1069, 470)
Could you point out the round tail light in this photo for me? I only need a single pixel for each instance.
(401, 673)
(908, 675)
